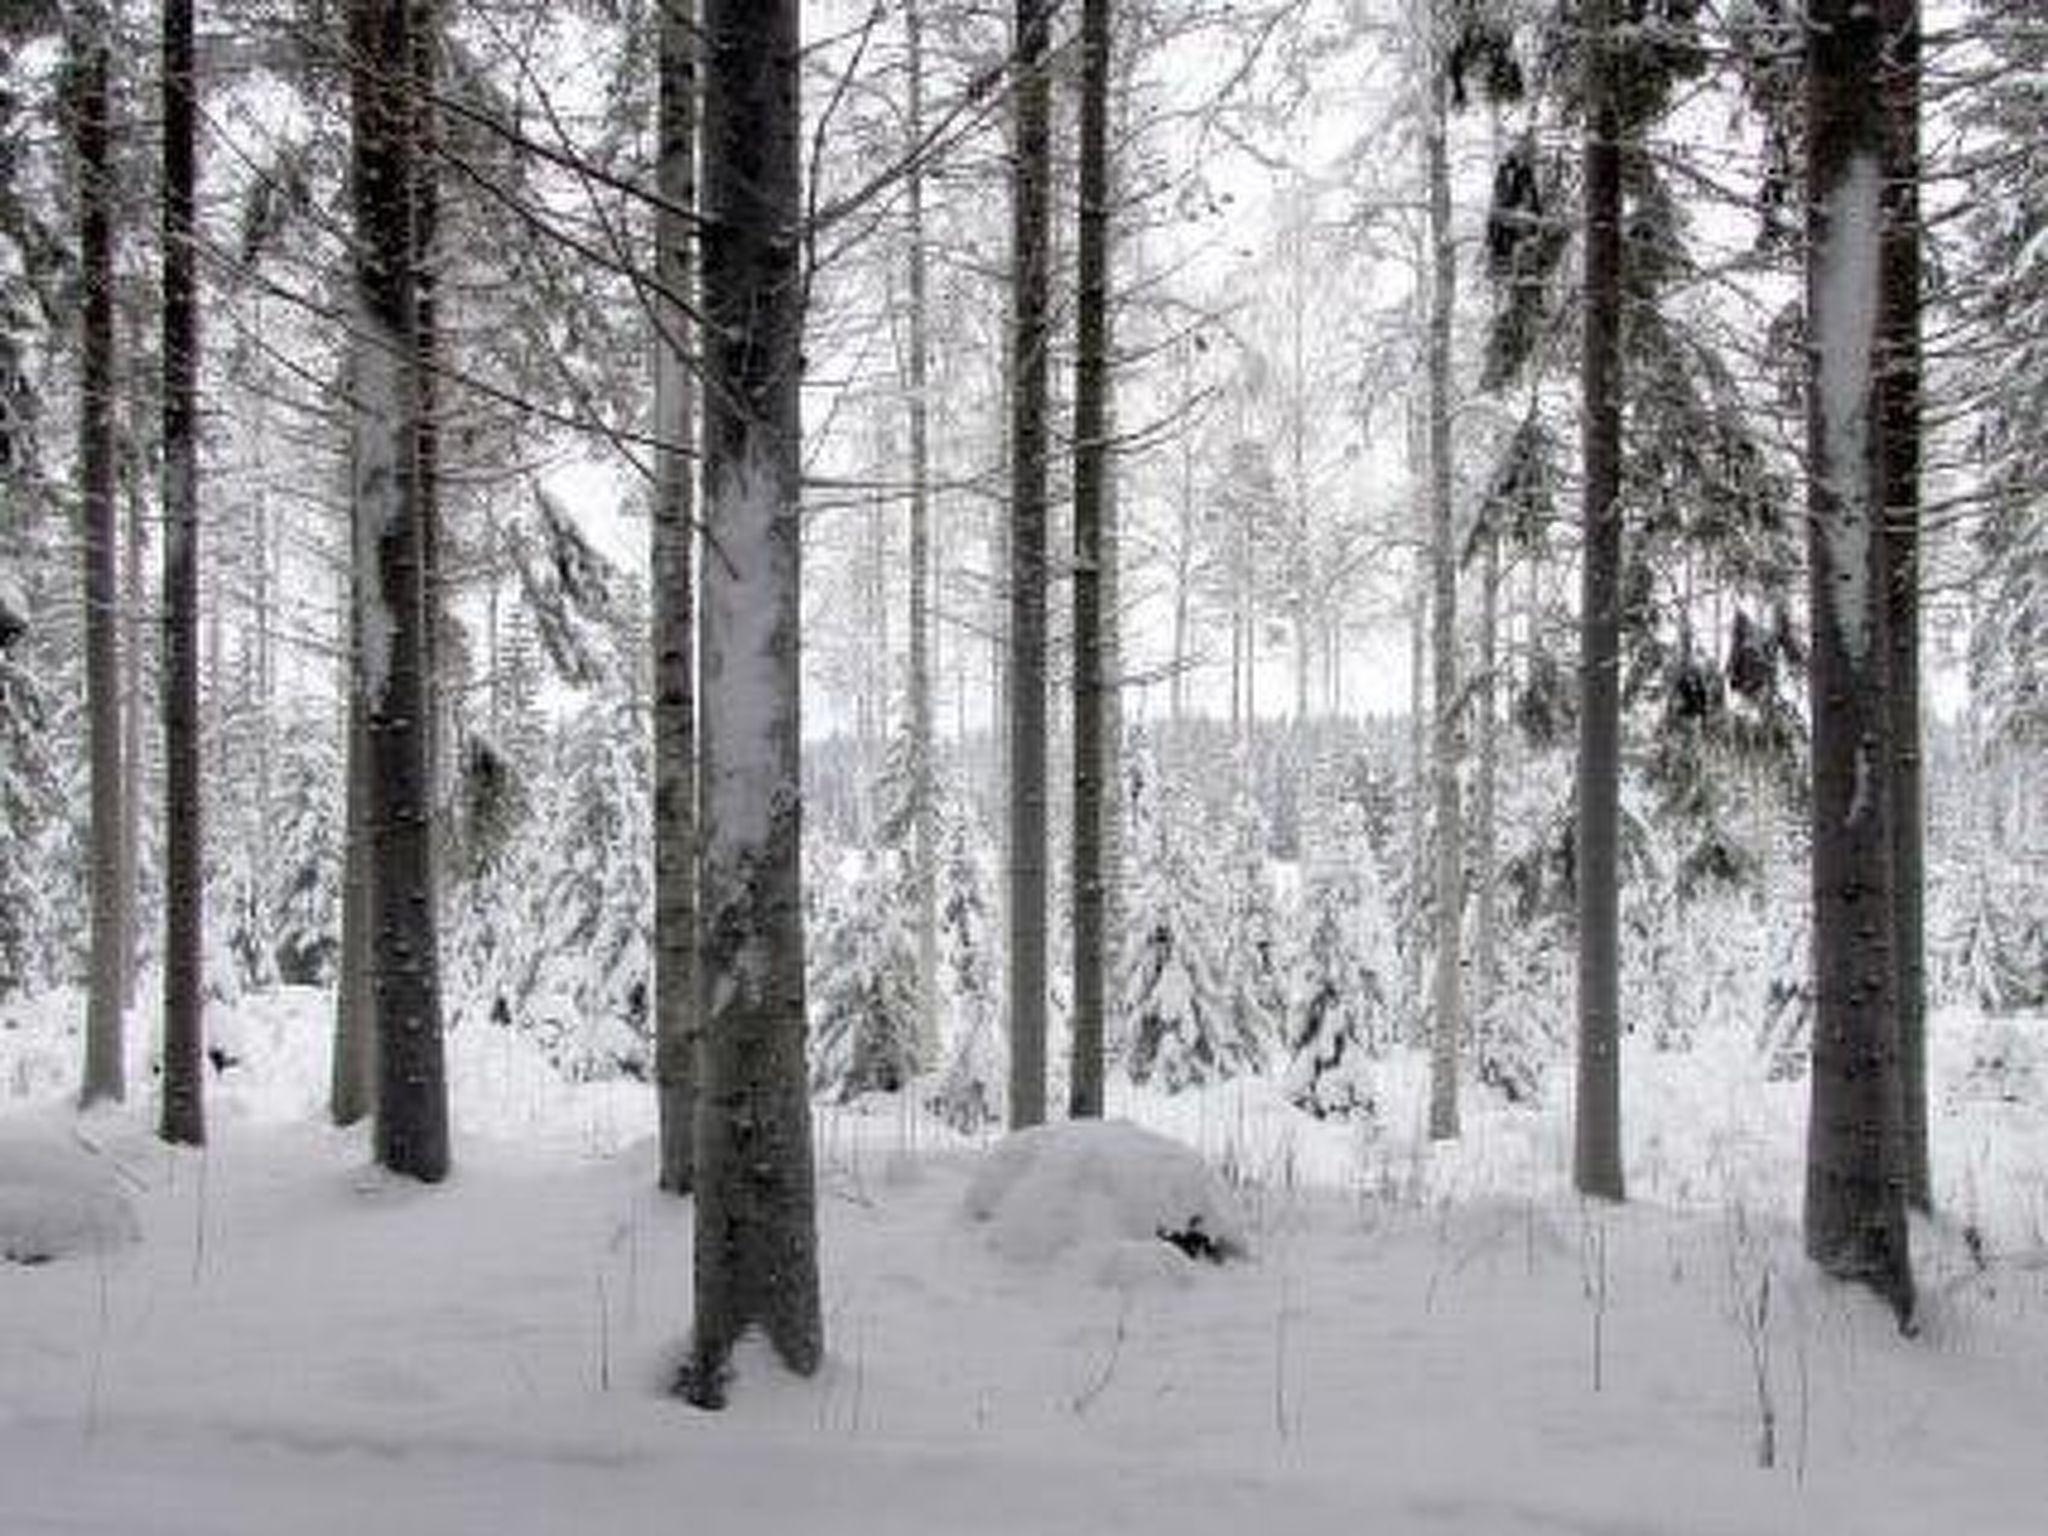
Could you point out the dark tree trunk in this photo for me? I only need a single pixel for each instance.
(1447, 1022)
(1031, 219)
(184, 1116)
(1091, 477)
(675, 609)
(756, 1234)
(426, 434)
(352, 1080)
(1596, 1160)
(1855, 1172)
(412, 1103)
(91, 110)
(1900, 412)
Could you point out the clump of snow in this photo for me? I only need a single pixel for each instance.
(58, 1200)
(1096, 1187)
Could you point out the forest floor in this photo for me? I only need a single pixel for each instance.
(1428, 1340)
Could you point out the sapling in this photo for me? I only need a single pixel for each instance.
(1593, 1283)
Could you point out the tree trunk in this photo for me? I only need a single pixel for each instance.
(1596, 1152)
(134, 692)
(412, 1105)
(184, 1116)
(756, 1231)
(1900, 410)
(1091, 486)
(1855, 1170)
(1485, 794)
(924, 808)
(674, 608)
(92, 110)
(1447, 1021)
(352, 1079)
(1031, 243)
(426, 434)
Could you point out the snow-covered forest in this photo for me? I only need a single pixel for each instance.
(1135, 764)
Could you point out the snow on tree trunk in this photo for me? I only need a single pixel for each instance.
(1596, 1148)
(1030, 192)
(184, 1118)
(756, 1226)
(412, 1107)
(92, 110)
(1855, 1184)
(674, 607)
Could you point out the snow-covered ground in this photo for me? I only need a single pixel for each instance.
(1420, 1340)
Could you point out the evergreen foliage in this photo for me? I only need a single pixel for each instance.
(1346, 976)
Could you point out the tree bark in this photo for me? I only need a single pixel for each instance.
(1596, 1151)
(923, 789)
(1447, 1014)
(134, 692)
(1900, 411)
(352, 1079)
(756, 1231)
(674, 606)
(1855, 1171)
(1091, 490)
(412, 1106)
(91, 111)
(184, 1114)
(1030, 189)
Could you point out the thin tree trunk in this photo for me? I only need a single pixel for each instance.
(1447, 1021)
(675, 610)
(184, 1114)
(1900, 410)
(92, 109)
(1091, 488)
(1855, 1171)
(1485, 832)
(412, 1105)
(1596, 1159)
(134, 692)
(1031, 244)
(923, 789)
(756, 1228)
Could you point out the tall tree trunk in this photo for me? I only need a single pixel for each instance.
(1485, 795)
(1855, 1170)
(1596, 1153)
(1091, 492)
(134, 692)
(92, 109)
(1447, 1013)
(1031, 222)
(756, 1232)
(352, 1072)
(412, 1102)
(674, 605)
(1900, 411)
(426, 435)
(924, 809)
(184, 1115)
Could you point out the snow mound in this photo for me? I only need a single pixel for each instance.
(58, 1200)
(1098, 1186)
